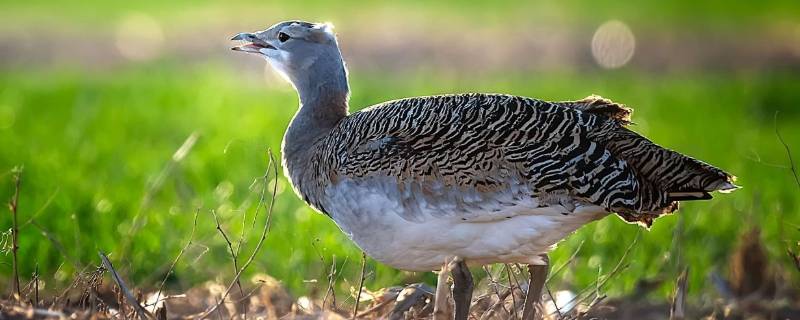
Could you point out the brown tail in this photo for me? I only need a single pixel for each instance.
(665, 177)
(682, 177)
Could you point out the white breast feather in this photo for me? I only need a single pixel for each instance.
(374, 213)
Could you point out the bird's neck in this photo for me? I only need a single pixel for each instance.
(323, 92)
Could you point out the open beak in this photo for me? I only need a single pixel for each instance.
(252, 43)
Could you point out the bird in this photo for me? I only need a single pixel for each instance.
(473, 178)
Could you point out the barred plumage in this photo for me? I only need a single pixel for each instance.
(489, 144)
(484, 177)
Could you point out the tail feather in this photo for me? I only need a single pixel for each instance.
(668, 170)
(665, 176)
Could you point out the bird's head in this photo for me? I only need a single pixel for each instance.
(297, 49)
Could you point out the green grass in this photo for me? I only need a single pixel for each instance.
(92, 146)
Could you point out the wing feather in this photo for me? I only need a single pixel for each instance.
(481, 151)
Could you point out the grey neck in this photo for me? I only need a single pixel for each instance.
(324, 93)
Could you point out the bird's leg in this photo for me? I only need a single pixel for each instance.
(538, 275)
(462, 289)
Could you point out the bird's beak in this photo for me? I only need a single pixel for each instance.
(253, 44)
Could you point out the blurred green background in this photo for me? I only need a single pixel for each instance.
(96, 97)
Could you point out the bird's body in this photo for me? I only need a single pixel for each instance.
(484, 178)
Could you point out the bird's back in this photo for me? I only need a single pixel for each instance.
(485, 144)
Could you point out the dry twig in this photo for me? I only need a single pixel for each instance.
(509, 273)
(331, 276)
(553, 300)
(57, 244)
(274, 166)
(360, 283)
(678, 309)
(494, 284)
(234, 256)
(141, 311)
(14, 207)
(788, 152)
(180, 254)
(569, 260)
(36, 286)
(46, 204)
(500, 304)
(598, 283)
(377, 307)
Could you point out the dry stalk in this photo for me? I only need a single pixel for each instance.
(375, 308)
(322, 262)
(598, 283)
(74, 284)
(180, 254)
(246, 232)
(264, 232)
(250, 293)
(500, 304)
(795, 258)
(509, 272)
(41, 209)
(595, 302)
(360, 283)
(553, 300)
(36, 286)
(56, 244)
(13, 205)
(262, 198)
(788, 152)
(561, 267)
(233, 253)
(141, 311)
(495, 287)
(331, 282)
(678, 309)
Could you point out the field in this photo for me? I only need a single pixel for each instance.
(119, 153)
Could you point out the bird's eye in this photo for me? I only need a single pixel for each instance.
(282, 37)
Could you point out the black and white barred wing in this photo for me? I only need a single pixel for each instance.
(476, 154)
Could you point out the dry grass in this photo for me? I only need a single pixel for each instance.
(263, 297)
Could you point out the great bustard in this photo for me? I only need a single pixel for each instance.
(486, 178)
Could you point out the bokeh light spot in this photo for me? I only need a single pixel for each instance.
(139, 37)
(613, 44)
(104, 205)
